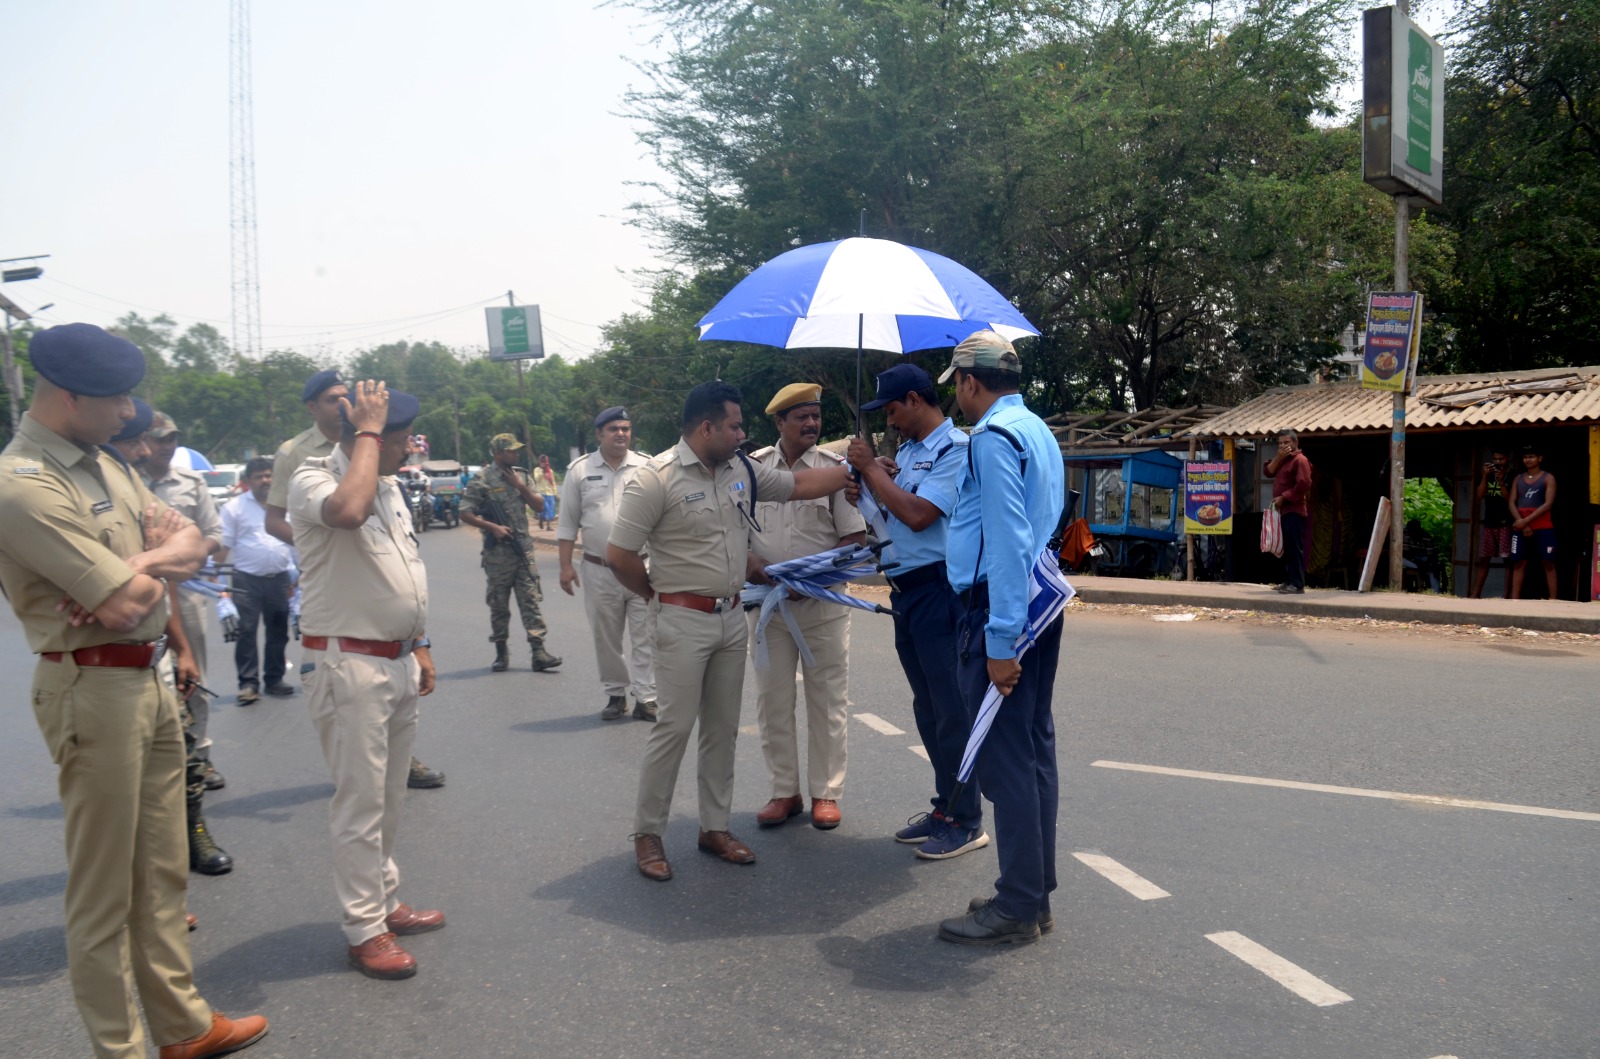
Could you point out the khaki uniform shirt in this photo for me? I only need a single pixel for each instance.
(689, 515)
(369, 582)
(291, 454)
(185, 492)
(492, 484)
(69, 517)
(590, 494)
(804, 527)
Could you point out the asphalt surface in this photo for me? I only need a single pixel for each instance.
(1453, 931)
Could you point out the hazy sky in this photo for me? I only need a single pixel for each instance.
(412, 158)
(414, 161)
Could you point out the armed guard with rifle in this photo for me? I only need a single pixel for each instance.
(496, 503)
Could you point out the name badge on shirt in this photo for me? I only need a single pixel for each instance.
(692, 497)
(595, 478)
(101, 507)
(925, 465)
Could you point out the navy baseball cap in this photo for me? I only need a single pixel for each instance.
(403, 411)
(320, 382)
(894, 384)
(86, 360)
(142, 417)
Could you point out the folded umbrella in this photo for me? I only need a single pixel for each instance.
(810, 576)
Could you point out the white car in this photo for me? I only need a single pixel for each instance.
(224, 481)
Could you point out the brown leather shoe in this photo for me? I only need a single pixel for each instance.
(724, 845)
(824, 814)
(652, 858)
(225, 1035)
(779, 810)
(382, 957)
(407, 920)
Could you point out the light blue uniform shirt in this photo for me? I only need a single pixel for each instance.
(931, 469)
(1005, 514)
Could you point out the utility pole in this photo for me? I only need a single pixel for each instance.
(522, 396)
(1397, 428)
(10, 372)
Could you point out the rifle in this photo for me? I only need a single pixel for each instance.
(491, 511)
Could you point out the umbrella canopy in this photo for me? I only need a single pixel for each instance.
(861, 294)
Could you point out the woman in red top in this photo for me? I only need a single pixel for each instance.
(1533, 494)
(1291, 496)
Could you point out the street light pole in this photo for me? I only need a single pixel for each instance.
(8, 363)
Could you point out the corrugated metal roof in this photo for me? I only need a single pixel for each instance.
(1345, 408)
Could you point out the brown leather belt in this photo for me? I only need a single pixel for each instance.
(592, 559)
(115, 655)
(376, 648)
(695, 601)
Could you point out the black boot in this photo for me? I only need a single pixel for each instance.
(205, 856)
(542, 659)
(502, 660)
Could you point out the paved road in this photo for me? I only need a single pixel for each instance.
(1452, 931)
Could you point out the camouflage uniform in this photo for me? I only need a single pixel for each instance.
(503, 568)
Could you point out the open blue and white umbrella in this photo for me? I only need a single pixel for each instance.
(864, 294)
(1048, 595)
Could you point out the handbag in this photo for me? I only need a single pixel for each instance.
(1272, 532)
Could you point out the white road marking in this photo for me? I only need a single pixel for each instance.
(878, 724)
(1295, 979)
(920, 751)
(1129, 880)
(1359, 792)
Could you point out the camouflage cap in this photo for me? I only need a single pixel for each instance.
(983, 349)
(162, 426)
(504, 443)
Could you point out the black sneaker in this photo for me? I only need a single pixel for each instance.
(280, 691)
(1047, 922)
(986, 926)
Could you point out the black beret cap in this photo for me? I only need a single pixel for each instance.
(87, 360)
(610, 415)
(403, 410)
(319, 382)
(143, 414)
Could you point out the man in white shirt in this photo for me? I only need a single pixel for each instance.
(262, 584)
(589, 495)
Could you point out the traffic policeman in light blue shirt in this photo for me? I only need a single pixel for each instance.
(1009, 507)
(918, 498)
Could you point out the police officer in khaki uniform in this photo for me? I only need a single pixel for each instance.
(789, 531)
(692, 506)
(75, 529)
(180, 672)
(589, 495)
(365, 615)
(185, 492)
(322, 395)
(497, 503)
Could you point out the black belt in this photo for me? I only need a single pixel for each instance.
(975, 597)
(593, 559)
(916, 577)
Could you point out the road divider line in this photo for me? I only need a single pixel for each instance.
(1294, 978)
(878, 724)
(1129, 880)
(921, 752)
(1358, 792)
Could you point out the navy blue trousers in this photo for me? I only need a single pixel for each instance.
(925, 639)
(1017, 767)
(261, 601)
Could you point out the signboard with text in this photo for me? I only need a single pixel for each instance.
(1208, 498)
(1394, 325)
(1402, 142)
(515, 332)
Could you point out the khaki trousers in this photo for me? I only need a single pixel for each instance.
(194, 608)
(826, 627)
(115, 738)
(699, 677)
(610, 607)
(365, 713)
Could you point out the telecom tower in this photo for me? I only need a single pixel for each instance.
(242, 185)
